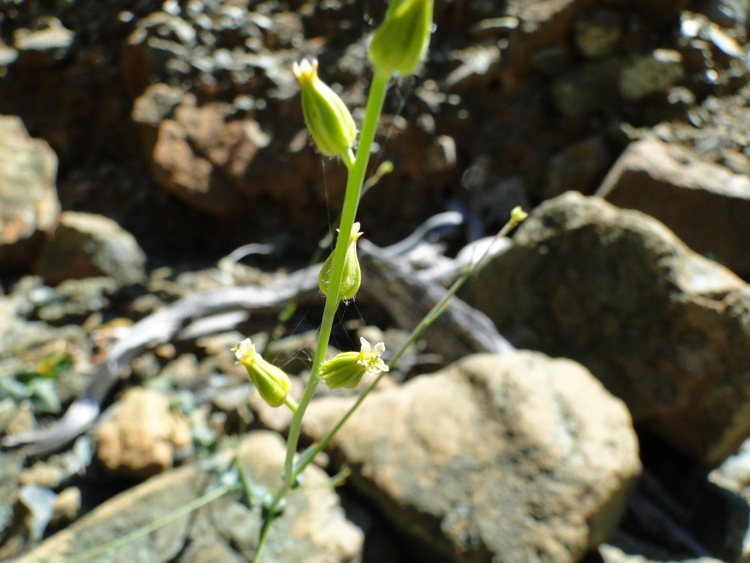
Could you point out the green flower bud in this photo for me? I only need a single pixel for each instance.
(401, 41)
(347, 368)
(272, 382)
(518, 215)
(352, 274)
(327, 117)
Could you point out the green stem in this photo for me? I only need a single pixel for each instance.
(356, 177)
(423, 325)
(152, 526)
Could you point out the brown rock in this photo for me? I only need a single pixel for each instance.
(29, 207)
(204, 158)
(705, 204)
(579, 167)
(141, 437)
(663, 328)
(505, 458)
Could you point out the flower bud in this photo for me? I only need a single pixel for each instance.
(352, 274)
(347, 368)
(518, 215)
(401, 41)
(272, 382)
(327, 117)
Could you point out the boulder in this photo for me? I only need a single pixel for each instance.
(312, 528)
(87, 245)
(29, 207)
(510, 458)
(705, 204)
(665, 329)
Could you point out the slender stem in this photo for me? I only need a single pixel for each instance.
(354, 183)
(153, 526)
(423, 325)
(356, 177)
(291, 403)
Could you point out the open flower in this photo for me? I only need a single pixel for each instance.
(347, 368)
(272, 382)
(328, 119)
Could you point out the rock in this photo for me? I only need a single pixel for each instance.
(11, 466)
(156, 104)
(579, 167)
(204, 158)
(597, 32)
(41, 48)
(655, 13)
(663, 328)
(506, 458)
(8, 55)
(141, 437)
(29, 207)
(651, 73)
(67, 506)
(312, 528)
(158, 50)
(705, 204)
(86, 245)
(585, 89)
(73, 301)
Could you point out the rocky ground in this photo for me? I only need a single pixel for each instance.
(142, 142)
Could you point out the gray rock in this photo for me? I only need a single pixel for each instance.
(507, 458)
(73, 301)
(705, 204)
(86, 245)
(584, 90)
(663, 328)
(312, 528)
(29, 207)
(156, 104)
(651, 73)
(44, 47)
(597, 32)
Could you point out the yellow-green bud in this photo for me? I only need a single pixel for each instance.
(329, 121)
(518, 215)
(347, 368)
(352, 274)
(401, 41)
(272, 382)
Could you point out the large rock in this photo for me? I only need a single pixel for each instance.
(204, 157)
(86, 245)
(663, 328)
(705, 204)
(506, 458)
(29, 207)
(312, 528)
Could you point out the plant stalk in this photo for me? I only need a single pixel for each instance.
(355, 180)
